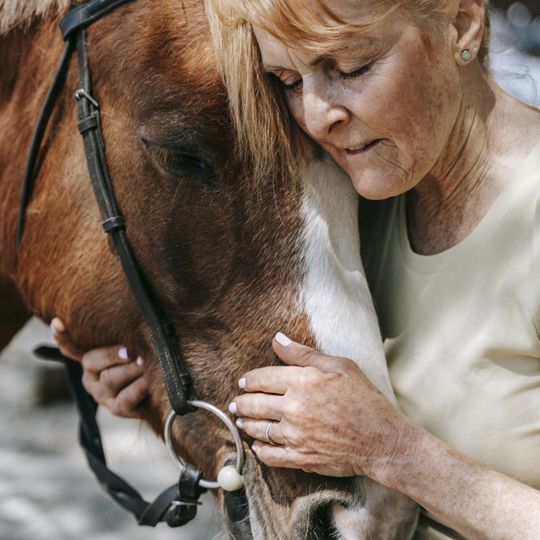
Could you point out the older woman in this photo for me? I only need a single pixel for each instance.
(399, 95)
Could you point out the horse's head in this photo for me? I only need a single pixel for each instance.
(229, 261)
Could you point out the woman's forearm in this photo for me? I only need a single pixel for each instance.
(321, 400)
(477, 502)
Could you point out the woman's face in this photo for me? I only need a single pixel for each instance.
(384, 108)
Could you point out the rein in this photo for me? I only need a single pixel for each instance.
(177, 505)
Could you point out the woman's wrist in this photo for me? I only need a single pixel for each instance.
(404, 455)
(477, 502)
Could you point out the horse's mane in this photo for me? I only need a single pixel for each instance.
(21, 12)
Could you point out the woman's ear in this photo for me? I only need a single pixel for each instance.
(469, 27)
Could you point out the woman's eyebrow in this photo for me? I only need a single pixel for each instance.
(366, 42)
(314, 62)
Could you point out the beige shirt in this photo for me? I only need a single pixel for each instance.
(462, 328)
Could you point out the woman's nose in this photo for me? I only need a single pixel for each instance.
(323, 113)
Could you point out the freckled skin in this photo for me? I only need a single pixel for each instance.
(447, 132)
(408, 99)
(452, 138)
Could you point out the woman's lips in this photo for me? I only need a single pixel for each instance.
(362, 149)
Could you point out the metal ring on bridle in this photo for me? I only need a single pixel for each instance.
(208, 484)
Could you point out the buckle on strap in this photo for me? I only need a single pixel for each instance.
(82, 93)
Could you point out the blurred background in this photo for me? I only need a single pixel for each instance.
(47, 491)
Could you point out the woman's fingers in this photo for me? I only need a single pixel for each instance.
(96, 360)
(270, 380)
(277, 456)
(257, 406)
(67, 347)
(289, 458)
(113, 377)
(295, 354)
(126, 402)
(118, 377)
(267, 431)
(109, 382)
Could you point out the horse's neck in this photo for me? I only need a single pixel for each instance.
(335, 295)
(27, 57)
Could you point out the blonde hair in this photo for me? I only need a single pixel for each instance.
(267, 135)
(15, 13)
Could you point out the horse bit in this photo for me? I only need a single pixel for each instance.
(176, 505)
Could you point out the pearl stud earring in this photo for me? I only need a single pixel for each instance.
(467, 55)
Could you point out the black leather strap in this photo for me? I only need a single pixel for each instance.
(175, 506)
(30, 172)
(84, 15)
(174, 370)
(178, 504)
(175, 374)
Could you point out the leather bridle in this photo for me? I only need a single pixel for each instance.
(178, 504)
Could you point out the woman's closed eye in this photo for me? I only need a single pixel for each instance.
(357, 72)
(294, 85)
(289, 84)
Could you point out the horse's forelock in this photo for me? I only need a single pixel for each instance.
(15, 13)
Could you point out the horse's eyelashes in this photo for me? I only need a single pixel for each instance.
(180, 163)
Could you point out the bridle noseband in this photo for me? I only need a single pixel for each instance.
(178, 504)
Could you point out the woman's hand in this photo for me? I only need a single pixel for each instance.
(110, 375)
(327, 417)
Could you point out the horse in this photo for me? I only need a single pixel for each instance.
(230, 262)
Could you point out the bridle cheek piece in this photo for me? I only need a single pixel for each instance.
(177, 505)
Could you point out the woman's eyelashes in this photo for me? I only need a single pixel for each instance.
(357, 72)
(291, 86)
(296, 84)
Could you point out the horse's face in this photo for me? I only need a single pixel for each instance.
(230, 262)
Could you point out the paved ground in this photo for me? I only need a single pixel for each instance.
(46, 489)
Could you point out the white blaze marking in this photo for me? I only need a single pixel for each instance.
(335, 294)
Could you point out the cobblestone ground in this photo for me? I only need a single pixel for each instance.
(46, 489)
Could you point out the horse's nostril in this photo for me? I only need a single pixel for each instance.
(322, 525)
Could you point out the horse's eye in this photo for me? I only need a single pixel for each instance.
(178, 162)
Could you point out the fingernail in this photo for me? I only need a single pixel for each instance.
(282, 339)
(123, 353)
(232, 408)
(242, 382)
(139, 361)
(57, 327)
(240, 423)
(255, 448)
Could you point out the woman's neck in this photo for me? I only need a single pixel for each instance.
(491, 137)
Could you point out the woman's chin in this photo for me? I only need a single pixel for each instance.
(380, 184)
(374, 189)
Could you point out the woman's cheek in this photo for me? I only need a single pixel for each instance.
(295, 104)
